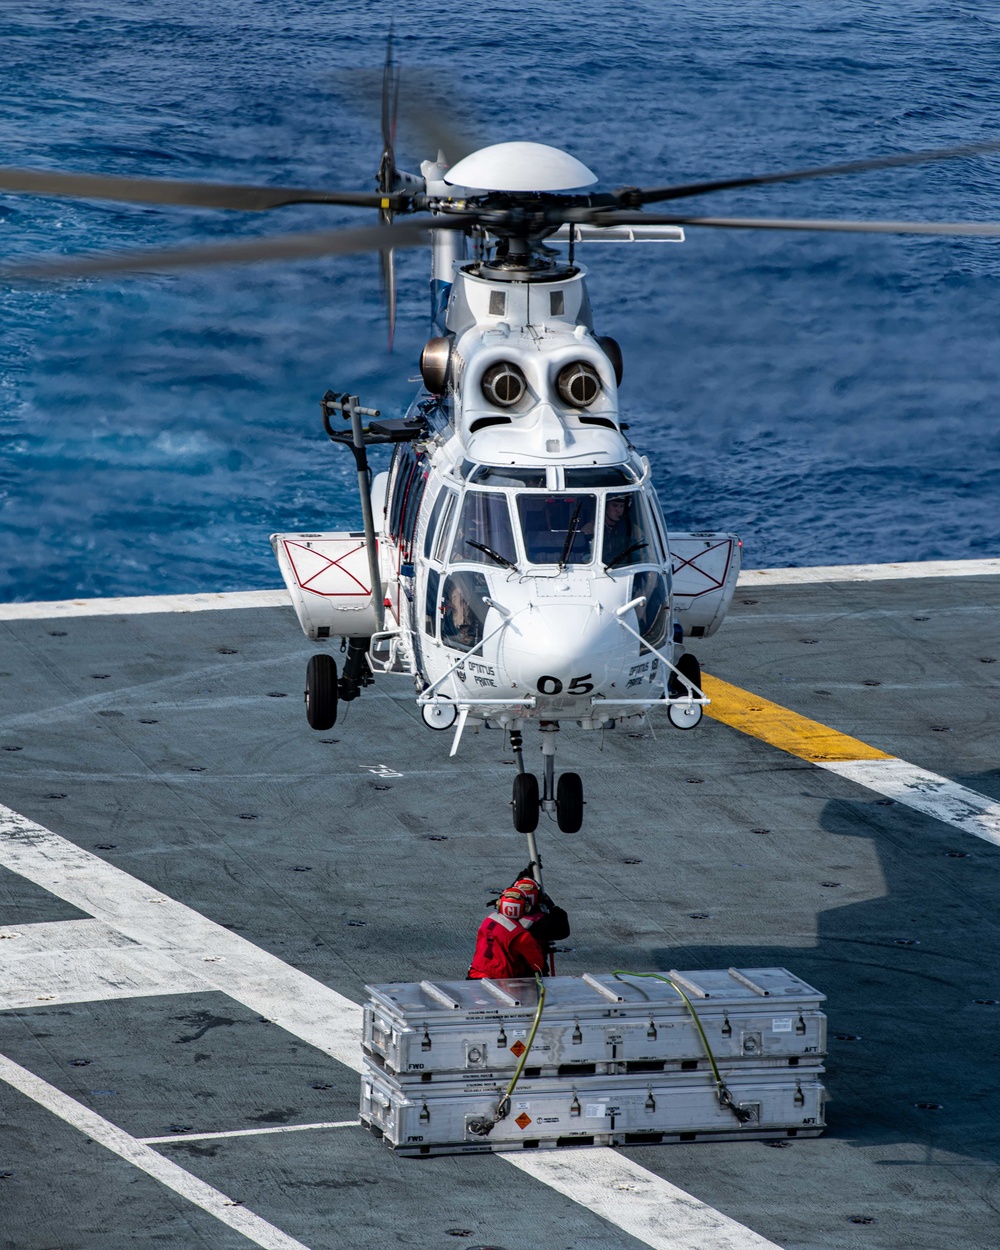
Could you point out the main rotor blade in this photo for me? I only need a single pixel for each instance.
(192, 194)
(386, 181)
(281, 247)
(633, 197)
(972, 229)
(387, 259)
(427, 122)
(390, 97)
(434, 122)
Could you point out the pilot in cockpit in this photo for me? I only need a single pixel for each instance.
(618, 527)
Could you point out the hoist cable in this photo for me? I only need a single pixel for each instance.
(483, 1128)
(722, 1090)
(503, 1106)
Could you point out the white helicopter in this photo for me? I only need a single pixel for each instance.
(514, 561)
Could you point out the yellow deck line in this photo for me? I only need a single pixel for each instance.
(781, 727)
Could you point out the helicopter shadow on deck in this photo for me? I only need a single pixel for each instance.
(902, 974)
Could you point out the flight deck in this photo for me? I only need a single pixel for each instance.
(195, 889)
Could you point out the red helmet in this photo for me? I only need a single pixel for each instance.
(513, 904)
(530, 888)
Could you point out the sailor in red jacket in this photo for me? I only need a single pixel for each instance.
(513, 939)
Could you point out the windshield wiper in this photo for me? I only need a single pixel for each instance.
(570, 535)
(624, 554)
(494, 555)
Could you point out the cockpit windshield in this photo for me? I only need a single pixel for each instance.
(626, 538)
(558, 529)
(484, 534)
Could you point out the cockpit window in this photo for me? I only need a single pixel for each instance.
(445, 527)
(626, 538)
(463, 610)
(508, 475)
(484, 534)
(558, 528)
(653, 615)
(602, 475)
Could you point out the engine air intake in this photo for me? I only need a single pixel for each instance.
(504, 384)
(579, 384)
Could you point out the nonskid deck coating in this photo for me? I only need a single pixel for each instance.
(316, 853)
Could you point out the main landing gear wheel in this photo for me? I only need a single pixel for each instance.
(321, 692)
(569, 802)
(525, 802)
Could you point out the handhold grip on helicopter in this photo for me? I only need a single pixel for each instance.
(637, 602)
(504, 611)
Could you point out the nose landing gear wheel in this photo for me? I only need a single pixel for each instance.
(321, 692)
(569, 803)
(684, 715)
(525, 802)
(687, 665)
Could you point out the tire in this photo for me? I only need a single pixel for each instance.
(321, 692)
(569, 802)
(525, 803)
(691, 669)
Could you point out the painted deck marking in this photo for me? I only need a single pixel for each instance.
(866, 765)
(207, 602)
(915, 569)
(249, 1132)
(228, 1210)
(644, 1205)
(661, 1218)
(798, 735)
(143, 604)
(926, 792)
(79, 961)
(182, 938)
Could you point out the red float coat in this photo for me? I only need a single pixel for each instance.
(506, 948)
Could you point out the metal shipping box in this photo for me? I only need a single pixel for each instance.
(600, 1023)
(611, 1111)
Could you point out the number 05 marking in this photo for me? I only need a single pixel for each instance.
(577, 685)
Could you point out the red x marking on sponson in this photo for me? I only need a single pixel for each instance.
(693, 564)
(330, 562)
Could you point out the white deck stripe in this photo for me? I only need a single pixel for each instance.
(183, 939)
(643, 1205)
(249, 1132)
(81, 961)
(148, 1160)
(128, 605)
(926, 792)
(142, 604)
(328, 1021)
(868, 572)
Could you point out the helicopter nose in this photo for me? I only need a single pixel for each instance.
(563, 649)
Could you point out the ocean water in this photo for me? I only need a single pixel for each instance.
(832, 398)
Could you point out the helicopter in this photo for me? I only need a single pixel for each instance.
(514, 561)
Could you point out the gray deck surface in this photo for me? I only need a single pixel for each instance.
(169, 803)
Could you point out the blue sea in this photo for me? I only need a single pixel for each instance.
(833, 398)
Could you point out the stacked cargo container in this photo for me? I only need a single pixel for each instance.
(617, 1059)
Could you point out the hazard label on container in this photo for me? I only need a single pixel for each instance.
(518, 1049)
(523, 1120)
